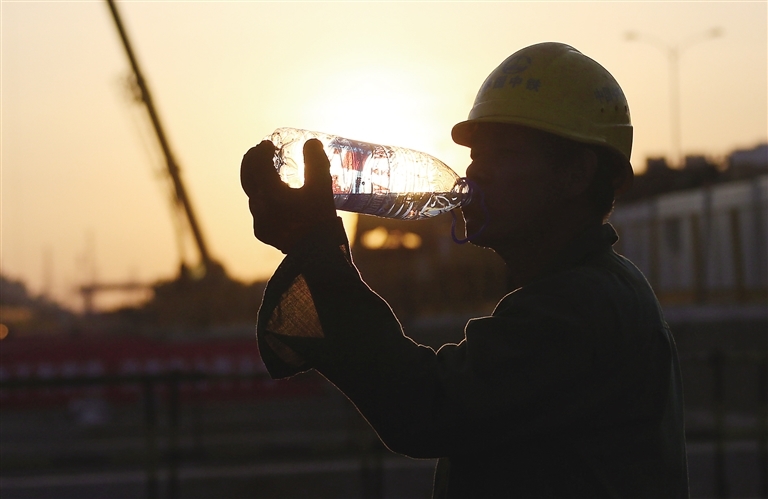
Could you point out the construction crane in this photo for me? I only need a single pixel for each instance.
(202, 295)
(181, 199)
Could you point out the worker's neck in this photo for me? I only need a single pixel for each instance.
(528, 256)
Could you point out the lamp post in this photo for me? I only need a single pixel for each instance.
(673, 53)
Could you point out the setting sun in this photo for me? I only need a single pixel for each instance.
(375, 104)
(79, 177)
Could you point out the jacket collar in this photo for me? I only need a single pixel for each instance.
(593, 240)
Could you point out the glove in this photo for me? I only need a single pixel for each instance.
(282, 216)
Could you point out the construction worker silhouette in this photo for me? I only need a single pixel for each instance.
(571, 388)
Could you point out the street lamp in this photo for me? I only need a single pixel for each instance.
(673, 53)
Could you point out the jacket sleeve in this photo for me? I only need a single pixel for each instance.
(526, 369)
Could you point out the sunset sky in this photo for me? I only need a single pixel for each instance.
(84, 194)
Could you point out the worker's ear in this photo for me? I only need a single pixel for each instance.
(578, 175)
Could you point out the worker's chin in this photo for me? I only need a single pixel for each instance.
(483, 242)
(475, 233)
(475, 224)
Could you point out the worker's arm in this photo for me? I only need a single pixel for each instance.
(527, 371)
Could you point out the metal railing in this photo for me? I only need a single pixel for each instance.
(720, 433)
(165, 461)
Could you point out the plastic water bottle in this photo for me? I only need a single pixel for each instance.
(384, 181)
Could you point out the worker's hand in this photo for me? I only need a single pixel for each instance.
(282, 216)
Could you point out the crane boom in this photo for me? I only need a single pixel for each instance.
(173, 169)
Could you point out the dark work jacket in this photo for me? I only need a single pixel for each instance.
(570, 389)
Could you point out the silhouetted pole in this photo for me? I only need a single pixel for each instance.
(173, 168)
(673, 53)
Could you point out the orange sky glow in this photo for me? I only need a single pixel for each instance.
(84, 193)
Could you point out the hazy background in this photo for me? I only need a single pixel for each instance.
(84, 195)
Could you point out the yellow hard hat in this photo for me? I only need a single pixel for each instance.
(555, 88)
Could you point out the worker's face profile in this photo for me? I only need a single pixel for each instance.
(518, 181)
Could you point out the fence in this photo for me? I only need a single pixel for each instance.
(344, 444)
(738, 412)
(301, 430)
